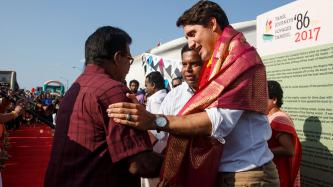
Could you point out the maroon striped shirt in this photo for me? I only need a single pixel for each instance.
(89, 149)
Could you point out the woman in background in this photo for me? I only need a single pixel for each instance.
(284, 142)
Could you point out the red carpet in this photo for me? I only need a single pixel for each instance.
(29, 155)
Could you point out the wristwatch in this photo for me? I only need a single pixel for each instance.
(160, 122)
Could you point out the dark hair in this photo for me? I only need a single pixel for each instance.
(275, 91)
(156, 78)
(201, 13)
(176, 78)
(134, 81)
(186, 48)
(104, 43)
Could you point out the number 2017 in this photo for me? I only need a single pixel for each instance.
(307, 35)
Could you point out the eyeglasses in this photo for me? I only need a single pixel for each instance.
(131, 59)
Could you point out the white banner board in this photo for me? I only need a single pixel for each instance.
(296, 44)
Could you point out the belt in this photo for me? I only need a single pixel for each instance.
(260, 168)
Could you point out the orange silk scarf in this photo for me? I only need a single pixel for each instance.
(233, 78)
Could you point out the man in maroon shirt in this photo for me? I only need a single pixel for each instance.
(90, 149)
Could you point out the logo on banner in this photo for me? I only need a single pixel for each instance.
(268, 36)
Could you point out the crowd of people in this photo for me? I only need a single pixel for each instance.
(221, 124)
(41, 107)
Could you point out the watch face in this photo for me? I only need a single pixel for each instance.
(161, 121)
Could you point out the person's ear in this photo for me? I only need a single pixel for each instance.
(213, 24)
(117, 57)
(274, 100)
(152, 85)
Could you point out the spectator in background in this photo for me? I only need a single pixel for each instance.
(176, 82)
(177, 97)
(39, 105)
(156, 93)
(48, 106)
(134, 86)
(284, 142)
(155, 90)
(47, 99)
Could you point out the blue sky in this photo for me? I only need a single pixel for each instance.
(44, 40)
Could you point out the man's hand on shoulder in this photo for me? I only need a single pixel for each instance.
(132, 114)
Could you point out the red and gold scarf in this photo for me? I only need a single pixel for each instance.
(233, 78)
(288, 166)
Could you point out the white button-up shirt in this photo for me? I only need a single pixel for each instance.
(243, 133)
(153, 105)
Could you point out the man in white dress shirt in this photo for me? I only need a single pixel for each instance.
(178, 96)
(155, 95)
(155, 91)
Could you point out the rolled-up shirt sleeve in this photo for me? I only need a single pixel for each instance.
(223, 121)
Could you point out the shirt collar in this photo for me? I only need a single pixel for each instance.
(93, 68)
(158, 93)
(188, 88)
